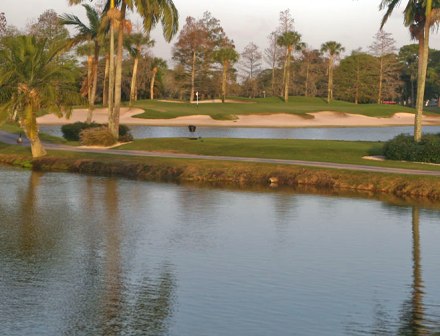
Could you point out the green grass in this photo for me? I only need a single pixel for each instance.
(11, 128)
(15, 129)
(350, 152)
(296, 105)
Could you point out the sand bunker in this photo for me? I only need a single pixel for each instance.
(317, 119)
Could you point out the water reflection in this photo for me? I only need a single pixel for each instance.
(97, 256)
(413, 311)
(29, 239)
(112, 268)
(316, 133)
(72, 277)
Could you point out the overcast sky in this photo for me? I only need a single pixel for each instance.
(353, 23)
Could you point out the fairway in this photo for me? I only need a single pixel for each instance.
(347, 152)
(228, 111)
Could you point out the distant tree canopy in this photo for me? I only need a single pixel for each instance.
(285, 66)
(356, 78)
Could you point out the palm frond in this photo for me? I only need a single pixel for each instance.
(389, 5)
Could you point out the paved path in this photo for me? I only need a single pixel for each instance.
(12, 139)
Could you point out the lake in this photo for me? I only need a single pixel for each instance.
(322, 133)
(82, 255)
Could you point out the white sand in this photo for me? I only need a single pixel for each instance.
(317, 119)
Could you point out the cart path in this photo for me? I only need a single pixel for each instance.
(9, 138)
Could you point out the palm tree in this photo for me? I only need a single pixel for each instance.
(92, 32)
(86, 50)
(156, 66)
(113, 15)
(32, 77)
(105, 80)
(333, 50)
(151, 11)
(225, 56)
(134, 44)
(419, 16)
(291, 41)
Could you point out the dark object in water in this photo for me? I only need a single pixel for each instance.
(19, 139)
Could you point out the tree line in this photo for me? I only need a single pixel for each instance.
(109, 60)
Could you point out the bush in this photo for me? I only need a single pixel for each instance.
(97, 136)
(124, 134)
(71, 132)
(403, 147)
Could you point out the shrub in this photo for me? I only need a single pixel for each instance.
(97, 136)
(430, 148)
(403, 147)
(71, 131)
(124, 134)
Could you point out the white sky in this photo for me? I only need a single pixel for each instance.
(353, 23)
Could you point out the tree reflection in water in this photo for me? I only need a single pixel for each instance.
(152, 304)
(99, 299)
(412, 314)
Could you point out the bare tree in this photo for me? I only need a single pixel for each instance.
(272, 55)
(250, 64)
(48, 26)
(285, 22)
(312, 66)
(383, 47)
(251, 60)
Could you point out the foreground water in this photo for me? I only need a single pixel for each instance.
(97, 256)
(314, 133)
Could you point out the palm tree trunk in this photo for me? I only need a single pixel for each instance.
(134, 81)
(31, 131)
(286, 78)
(111, 84)
(330, 80)
(379, 94)
(273, 80)
(306, 91)
(358, 84)
(153, 78)
(105, 83)
(193, 76)
(285, 68)
(89, 87)
(224, 79)
(95, 80)
(423, 64)
(114, 119)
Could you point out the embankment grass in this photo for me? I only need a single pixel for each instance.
(226, 173)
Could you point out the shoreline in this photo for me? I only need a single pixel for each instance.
(242, 174)
(323, 119)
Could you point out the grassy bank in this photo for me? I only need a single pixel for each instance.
(296, 105)
(350, 152)
(224, 173)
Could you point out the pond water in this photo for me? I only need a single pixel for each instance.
(98, 256)
(322, 133)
